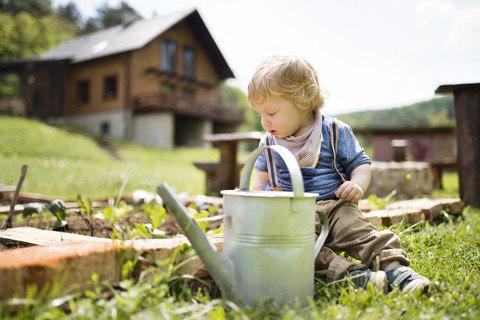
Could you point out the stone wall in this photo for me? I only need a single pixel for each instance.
(154, 129)
(115, 122)
(409, 179)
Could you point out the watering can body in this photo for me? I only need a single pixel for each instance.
(269, 243)
(270, 247)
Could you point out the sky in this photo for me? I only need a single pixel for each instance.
(369, 54)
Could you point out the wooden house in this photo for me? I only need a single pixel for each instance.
(415, 144)
(153, 81)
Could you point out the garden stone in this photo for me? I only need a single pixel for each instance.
(409, 179)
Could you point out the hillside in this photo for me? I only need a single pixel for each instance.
(64, 162)
(438, 112)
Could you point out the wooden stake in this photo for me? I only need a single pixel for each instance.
(7, 223)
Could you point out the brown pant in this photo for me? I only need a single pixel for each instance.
(349, 232)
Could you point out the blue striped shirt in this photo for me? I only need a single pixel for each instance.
(323, 179)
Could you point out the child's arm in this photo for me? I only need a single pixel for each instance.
(354, 189)
(259, 180)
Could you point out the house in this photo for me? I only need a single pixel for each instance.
(155, 82)
(416, 144)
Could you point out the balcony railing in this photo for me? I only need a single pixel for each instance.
(190, 107)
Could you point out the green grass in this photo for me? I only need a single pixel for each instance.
(66, 163)
(448, 254)
(63, 163)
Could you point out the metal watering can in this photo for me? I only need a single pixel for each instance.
(269, 244)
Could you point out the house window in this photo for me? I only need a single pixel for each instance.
(82, 92)
(37, 100)
(188, 63)
(110, 87)
(188, 93)
(169, 49)
(105, 128)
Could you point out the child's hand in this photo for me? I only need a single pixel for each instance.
(349, 191)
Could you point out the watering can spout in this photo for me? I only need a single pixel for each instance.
(215, 263)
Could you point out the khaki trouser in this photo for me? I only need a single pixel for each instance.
(351, 233)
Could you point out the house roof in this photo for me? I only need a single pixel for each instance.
(136, 35)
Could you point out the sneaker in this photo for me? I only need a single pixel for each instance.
(362, 278)
(407, 280)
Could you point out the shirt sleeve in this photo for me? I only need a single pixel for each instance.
(350, 153)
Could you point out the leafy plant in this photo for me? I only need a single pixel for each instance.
(30, 209)
(59, 211)
(373, 199)
(200, 216)
(158, 215)
(85, 208)
(114, 213)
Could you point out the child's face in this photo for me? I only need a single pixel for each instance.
(282, 119)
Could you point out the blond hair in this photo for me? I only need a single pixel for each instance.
(287, 76)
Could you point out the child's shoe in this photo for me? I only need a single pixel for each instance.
(361, 279)
(407, 280)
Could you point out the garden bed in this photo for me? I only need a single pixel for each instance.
(124, 220)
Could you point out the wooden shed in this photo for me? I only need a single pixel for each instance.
(419, 144)
(467, 114)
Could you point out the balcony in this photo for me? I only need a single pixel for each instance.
(187, 107)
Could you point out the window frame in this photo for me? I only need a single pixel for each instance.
(189, 72)
(168, 59)
(107, 94)
(83, 92)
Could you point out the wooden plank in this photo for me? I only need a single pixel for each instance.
(389, 217)
(235, 136)
(467, 114)
(6, 189)
(69, 205)
(412, 211)
(34, 236)
(17, 209)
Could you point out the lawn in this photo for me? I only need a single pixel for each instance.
(65, 163)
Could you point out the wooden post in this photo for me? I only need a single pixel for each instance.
(228, 165)
(399, 149)
(467, 114)
(8, 221)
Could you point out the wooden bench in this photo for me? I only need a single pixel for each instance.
(225, 174)
(211, 170)
(438, 166)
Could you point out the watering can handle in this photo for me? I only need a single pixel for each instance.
(288, 158)
(323, 233)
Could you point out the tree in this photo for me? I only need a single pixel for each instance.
(33, 7)
(109, 17)
(70, 13)
(24, 35)
(89, 27)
